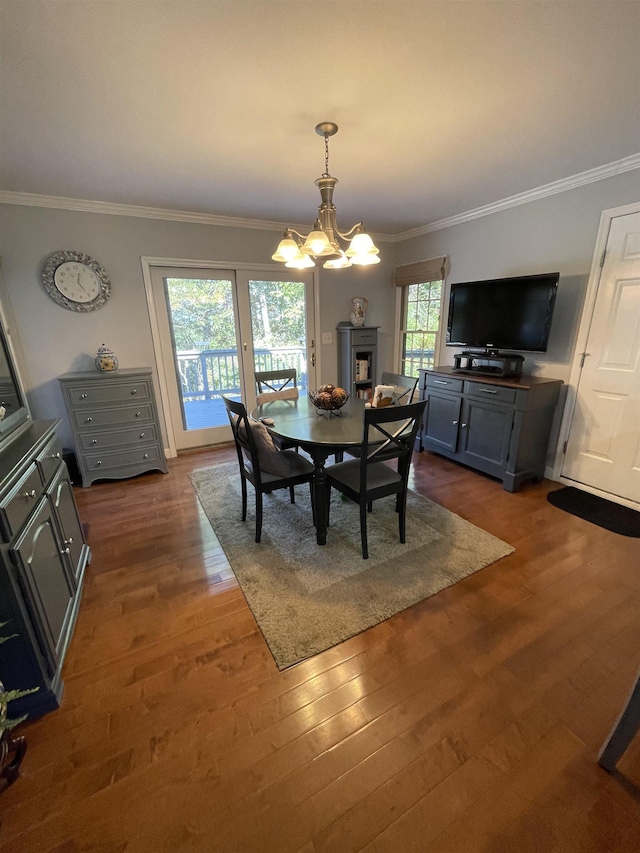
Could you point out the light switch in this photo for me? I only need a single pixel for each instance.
(327, 338)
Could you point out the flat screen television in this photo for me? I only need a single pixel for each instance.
(502, 314)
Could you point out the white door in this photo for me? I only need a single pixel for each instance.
(603, 445)
(212, 329)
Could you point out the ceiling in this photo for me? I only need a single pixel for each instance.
(210, 107)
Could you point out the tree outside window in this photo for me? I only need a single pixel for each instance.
(420, 324)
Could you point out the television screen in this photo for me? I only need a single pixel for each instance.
(503, 314)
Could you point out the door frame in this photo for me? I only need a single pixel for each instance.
(149, 262)
(581, 347)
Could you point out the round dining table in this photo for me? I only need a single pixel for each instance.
(320, 434)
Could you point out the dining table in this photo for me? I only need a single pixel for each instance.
(321, 434)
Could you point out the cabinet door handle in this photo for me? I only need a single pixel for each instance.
(463, 425)
(88, 420)
(487, 391)
(69, 541)
(66, 551)
(30, 494)
(455, 423)
(55, 456)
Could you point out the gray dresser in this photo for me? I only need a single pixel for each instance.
(115, 425)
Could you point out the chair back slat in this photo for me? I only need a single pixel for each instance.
(243, 437)
(276, 380)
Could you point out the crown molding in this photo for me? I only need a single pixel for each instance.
(61, 203)
(579, 180)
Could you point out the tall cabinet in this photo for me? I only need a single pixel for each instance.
(357, 359)
(43, 554)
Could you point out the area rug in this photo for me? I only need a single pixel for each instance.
(612, 516)
(307, 598)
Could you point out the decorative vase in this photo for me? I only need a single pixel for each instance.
(360, 305)
(106, 360)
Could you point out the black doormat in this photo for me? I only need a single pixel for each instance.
(604, 513)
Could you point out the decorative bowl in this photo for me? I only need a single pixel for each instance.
(328, 398)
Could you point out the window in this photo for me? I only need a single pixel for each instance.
(419, 325)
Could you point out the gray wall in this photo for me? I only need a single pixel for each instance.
(56, 341)
(556, 233)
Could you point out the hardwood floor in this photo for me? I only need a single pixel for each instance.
(469, 722)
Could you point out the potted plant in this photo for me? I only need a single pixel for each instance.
(9, 745)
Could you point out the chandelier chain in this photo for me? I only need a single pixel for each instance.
(326, 155)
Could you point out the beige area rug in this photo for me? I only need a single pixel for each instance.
(307, 598)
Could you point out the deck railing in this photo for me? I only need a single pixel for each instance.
(207, 374)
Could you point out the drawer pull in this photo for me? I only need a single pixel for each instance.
(55, 456)
(88, 420)
(146, 456)
(83, 396)
(134, 391)
(440, 382)
(30, 494)
(138, 414)
(94, 441)
(141, 435)
(98, 463)
(487, 391)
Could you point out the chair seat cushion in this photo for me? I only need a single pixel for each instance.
(378, 475)
(280, 463)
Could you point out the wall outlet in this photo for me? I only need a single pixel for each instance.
(327, 338)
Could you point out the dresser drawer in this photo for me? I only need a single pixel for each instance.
(21, 500)
(108, 461)
(125, 415)
(490, 392)
(444, 383)
(363, 336)
(93, 394)
(146, 435)
(49, 459)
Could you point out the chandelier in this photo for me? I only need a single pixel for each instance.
(323, 242)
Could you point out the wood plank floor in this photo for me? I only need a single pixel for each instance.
(469, 722)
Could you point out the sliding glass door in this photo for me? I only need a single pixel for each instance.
(215, 328)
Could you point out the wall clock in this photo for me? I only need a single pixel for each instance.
(75, 281)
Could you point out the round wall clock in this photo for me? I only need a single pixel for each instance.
(75, 281)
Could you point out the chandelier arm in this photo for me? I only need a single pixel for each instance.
(297, 233)
(348, 234)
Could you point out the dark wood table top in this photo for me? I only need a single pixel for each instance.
(299, 421)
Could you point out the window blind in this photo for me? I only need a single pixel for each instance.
(419, 272)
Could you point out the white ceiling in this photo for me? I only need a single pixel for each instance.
(210, 106)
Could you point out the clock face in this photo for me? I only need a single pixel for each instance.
(75, 281)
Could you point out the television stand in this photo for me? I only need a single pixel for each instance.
(488, 363)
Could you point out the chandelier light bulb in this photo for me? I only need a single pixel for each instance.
(361, 244)
(287, 249)
(301, 262)
(365, 260)
(317, 244)
(337, 263)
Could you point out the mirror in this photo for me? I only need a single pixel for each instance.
(12, 405)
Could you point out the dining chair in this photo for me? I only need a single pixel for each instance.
(388, 435)
(277, 385)
(405, 386)
(261, 463)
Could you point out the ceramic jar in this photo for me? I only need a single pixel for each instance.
(106, 359)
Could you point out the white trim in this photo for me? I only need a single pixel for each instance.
(606, 495)
(147, 263)
(88, 206)
(589, 177)
(606, 218)
(397, 335)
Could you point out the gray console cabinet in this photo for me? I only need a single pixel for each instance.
(43, 556)
(498, 425)
(115, 423)
(358, 359)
